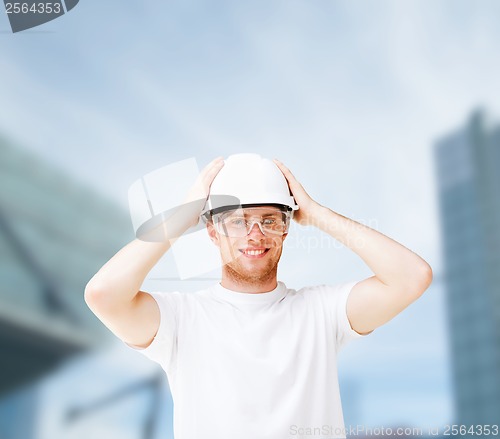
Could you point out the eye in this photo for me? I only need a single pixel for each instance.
(237, 222)
(269, 222)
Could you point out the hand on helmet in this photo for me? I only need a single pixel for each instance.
(307, 206)
(199, 191)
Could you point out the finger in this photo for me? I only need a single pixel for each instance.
(286, 172)
(215, 162)
(212, 170)
(292, 181)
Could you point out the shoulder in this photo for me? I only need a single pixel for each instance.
(333, 290)
(177, 298)
(331, 295)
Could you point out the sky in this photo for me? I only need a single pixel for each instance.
(350, 95)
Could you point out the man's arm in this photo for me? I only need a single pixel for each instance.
(114, 295)
(400, 276)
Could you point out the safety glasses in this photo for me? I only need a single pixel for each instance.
(239, 223)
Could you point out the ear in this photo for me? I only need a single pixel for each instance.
(212, 233)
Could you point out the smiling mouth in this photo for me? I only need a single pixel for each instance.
(254, 252)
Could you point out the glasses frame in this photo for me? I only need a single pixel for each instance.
(220, 227)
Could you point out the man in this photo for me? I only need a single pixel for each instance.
(249, 358)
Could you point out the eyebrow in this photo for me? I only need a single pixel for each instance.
(267, 214)
(264, 215)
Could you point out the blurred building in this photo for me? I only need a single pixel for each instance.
(54, 235)
(468, 174)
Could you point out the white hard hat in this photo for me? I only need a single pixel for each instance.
(248, 180)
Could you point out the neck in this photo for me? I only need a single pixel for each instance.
(235, 282)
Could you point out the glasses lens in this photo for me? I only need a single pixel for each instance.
(239, 223)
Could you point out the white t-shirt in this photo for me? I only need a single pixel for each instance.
(254, 366)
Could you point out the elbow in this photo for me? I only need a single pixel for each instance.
(427, 275)
(93, 295)
(423, 278)
(103, 298)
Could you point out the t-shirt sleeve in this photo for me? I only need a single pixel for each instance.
(336, 299)
(345, 333)
(162, 349)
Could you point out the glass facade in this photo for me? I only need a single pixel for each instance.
(54, 236)
(468, 174)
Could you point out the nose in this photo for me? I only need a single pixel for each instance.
(253, 230)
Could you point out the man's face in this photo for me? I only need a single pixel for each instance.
(249, 255)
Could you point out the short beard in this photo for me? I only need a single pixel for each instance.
(241, 277)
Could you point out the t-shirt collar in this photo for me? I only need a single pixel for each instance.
(235, 296)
